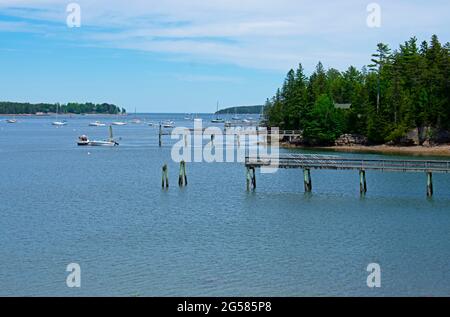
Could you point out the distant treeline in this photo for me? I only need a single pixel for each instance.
(402, 90)
(241, 110)
(72, 107)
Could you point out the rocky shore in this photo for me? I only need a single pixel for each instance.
(359, 144)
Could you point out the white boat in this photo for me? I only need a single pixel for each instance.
(84, 140)
(56, 122)
(11, 121)
(59, 123)
(119, 123)
(135, 120)
(217, 119)
(97, 124)
(169, 124)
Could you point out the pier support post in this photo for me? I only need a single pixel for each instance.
(182, 178)
(160, 135)
(251, 177)
(429, 184)
(247, 177)
(362, 182)
(165, 176)
(308, 182)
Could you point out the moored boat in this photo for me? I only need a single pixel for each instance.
(84, 140)
(97, 124)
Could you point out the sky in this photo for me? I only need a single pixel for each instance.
(187, 55)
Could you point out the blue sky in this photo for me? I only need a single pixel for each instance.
(185, 55)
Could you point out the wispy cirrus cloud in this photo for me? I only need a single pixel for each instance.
(262, 34)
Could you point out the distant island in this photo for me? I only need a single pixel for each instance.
(242, 110)
(18, 108)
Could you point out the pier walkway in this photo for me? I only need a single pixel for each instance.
(329, 162)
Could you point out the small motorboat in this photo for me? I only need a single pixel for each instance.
(168, 124)
(11, 121)
(84, 140)
(59, 123)
(97, 124)
(136, 121)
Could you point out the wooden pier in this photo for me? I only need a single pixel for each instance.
(309, 162)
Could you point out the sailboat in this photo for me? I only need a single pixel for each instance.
(84, 141)
(217, 119)
(56, 122)
(135, 120)
(119, 123)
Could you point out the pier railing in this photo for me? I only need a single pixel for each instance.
(339, 163)
(329, 162)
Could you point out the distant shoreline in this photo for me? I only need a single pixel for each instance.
(60, 114)
(438, 150)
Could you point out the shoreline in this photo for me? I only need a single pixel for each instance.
(438, 150)
(50, 114)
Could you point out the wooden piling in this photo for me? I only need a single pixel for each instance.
(160, 135)
(165, 176)
(362, 182)
(253, 177)
(429, 184)
(182, 178)
(247, 177)
(307, 179)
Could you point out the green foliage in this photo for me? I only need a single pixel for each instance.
(404, 89)
(241, 110)
(71, 107)
(324, 122)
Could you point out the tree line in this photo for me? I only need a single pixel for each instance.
(401, 90)
(241, 110)
(71, 107)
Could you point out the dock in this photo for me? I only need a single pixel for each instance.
(329, 162)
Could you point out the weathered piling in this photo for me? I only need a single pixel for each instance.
(182, 178)
(160, 135)
(429, 184)
(165, 176)
(251, 177)
(307, 179)
(362, 182)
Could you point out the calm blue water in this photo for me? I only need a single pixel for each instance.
(104, 209)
